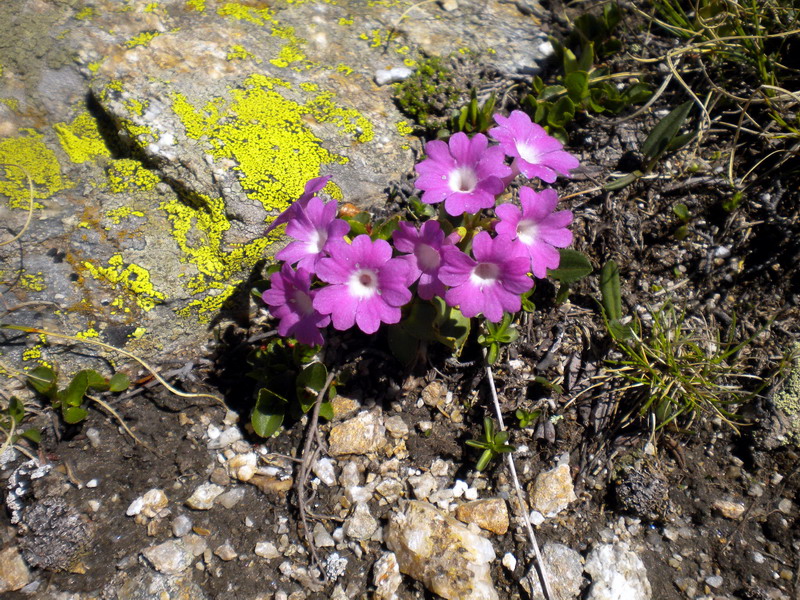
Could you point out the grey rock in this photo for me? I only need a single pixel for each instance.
(203, 497)
(266, 550)
(181, 525)
(14, 574)
(360, 525)
(230, 498)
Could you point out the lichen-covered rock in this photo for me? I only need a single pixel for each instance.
(172, 557)
(386, 577)
(443, 554)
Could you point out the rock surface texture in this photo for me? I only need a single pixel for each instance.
(162, 137)
(446, 556)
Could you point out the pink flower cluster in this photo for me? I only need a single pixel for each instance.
(327, 278)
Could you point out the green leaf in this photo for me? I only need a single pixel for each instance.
(484, 460)
(492, 353)
(326, 411)
(551, 92)
(119, 382)
(610, 290)
(450, 327)
(681, 211)
(268, 413)
(586, 60)
(76, 390)
(619, 331)
(527, 304)
(577, 84)
(525, 417)
(33, 435)
(562, 112)
(621, 182)
(384, 230)
(74, 414)
(562, 294)
(95, 381)
(43, 380)
(570, 61)
(572, 267)
(637, 93)
(665, 130)
(16, 410)
(310, 382)
(537, 84)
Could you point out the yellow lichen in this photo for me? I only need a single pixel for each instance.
(142, 39)
(151, 8)
(343, 68)
(257, 16)
(129, 277)
(123, 212)
(343, 21)
(135, 106)
(137, 333)
(90, 332)
(11, 103)
(33, 282)
(403, 128)
(198, 5)
(30, 152)
(95, 66)
(236, 52)
(86, 13)
(125, 173)
(81, 139)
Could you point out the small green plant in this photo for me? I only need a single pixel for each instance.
(71, 400)
(493, 444)
(526, 418)
(11, 423)
(474, 118)
(573, 267)
(680, 369)
(681, 211)
(495, 334)
(290, 379)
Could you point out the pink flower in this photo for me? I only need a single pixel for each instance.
(367, 286)
(489, 284)
(536, 228)
(535, 153)
(290, 299)
(315, 228)
(425, 258)
(467, 175)
(312, 187)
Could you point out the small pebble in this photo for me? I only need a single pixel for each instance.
(509, 561)
(92, 483)
(93, 435)
(181, 525)
(231, 498)
(785, 506)
(225, 552)
(714, 581)
(266, 550)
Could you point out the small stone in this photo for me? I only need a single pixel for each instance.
(243, 466)
(363, 434)
(231, 498)
(267, 550)
(181, 525)
(360, 525)
(93, 435)
(552, 491)
(225, 552)
(434, 394)
(509, 561)
(92, 483)
(393, 75)
(149, 504)
(785, 506)
(220, 476)
(226, 438)
(449, 5)
(170, 557)
(14, 574)
(616, 572)
(446, 556)
(322, 538)
(386, 577)
(490, 514)
(272, 486)
(729, 510)
(344, 408)
(714, 581)
(422, 485)
(94, 505)
(396, 426)
(324, 469)
(203, 497)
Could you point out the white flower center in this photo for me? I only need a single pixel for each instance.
(302, 302)
(484, 274)
(428, 257)
(316, 241)
(462, 179)
(527, 231)
(363, 284)
(528, 153)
